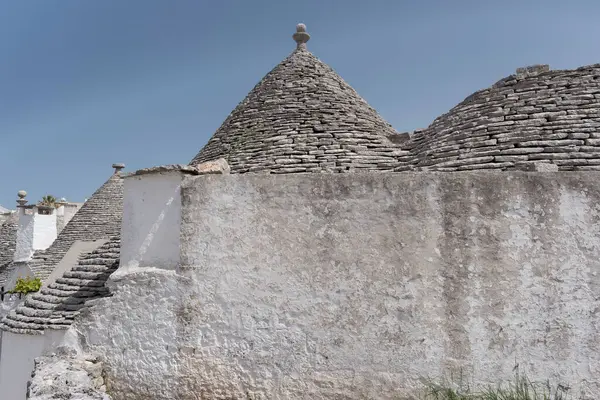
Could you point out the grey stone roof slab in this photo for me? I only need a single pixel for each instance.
(164, 168)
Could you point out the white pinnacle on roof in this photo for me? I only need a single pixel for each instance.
(301, 36)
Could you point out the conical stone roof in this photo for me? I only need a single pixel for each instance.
(99, 218)
(8, 240)
(536, 115)
(56, 305)
(303, 117)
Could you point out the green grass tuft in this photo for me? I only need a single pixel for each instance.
(520, 389)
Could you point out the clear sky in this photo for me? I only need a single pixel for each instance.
(84, 84)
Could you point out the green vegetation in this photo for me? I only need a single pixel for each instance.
(520, 389)
(27, 285)
(48, 201)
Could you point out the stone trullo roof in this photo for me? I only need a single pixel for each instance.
(536, 115)
(56, 306)
(303, 117)
(99, 218)
(8, 241)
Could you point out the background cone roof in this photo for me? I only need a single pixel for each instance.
(302, 117)
(99, 218)
(8, 240)
(57, 305)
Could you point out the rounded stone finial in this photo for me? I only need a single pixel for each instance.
(22, 200)
(118, 167)
(301, 36)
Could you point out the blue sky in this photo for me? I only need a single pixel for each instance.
(84, 84)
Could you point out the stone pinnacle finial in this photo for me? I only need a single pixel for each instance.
(22, 200)
(118, 167)
(301, 36)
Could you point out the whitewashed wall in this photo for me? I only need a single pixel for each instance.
(151, 220)
(16, 360)
(35, 232)
(358, 286)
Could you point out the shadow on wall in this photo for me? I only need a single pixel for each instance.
(151, 218)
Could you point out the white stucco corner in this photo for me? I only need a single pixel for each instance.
(35, 232)
(151, 221)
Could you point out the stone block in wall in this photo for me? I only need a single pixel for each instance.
(219, 166)
(588, 168)
(537, 167)
(491, 165)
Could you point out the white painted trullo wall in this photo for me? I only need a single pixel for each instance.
(355, 286)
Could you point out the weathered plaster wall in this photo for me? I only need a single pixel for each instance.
(358, 286)
(17, 360)
(35, 232)
(151, 220)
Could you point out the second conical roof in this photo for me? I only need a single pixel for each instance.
(99, 218)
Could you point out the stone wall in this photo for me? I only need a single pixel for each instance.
(67, 377)
(357, 286)
(534, 115)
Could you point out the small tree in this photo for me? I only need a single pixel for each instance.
(48, 201)
(46, 205)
